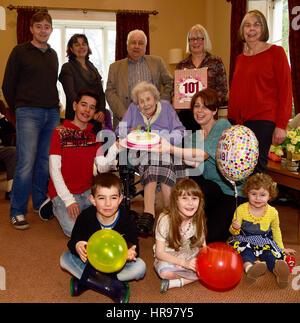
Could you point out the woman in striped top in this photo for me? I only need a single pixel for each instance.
(256, 231)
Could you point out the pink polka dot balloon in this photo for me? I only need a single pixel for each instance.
(237, 153)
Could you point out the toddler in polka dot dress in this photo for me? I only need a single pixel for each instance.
(256, 232)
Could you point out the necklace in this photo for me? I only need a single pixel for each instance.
(257, 49)
(109, 226)
(255, 218)
(149, 118)
(185, 232)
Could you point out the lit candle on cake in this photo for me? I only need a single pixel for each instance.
(148, 132)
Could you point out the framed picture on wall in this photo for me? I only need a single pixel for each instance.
(186, 84)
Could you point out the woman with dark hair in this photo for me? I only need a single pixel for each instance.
(220, 201)
(80, 74)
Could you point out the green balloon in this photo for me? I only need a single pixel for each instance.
(107, 251)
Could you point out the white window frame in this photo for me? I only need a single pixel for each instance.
(63, 25)
(272, 10)
(91, 20)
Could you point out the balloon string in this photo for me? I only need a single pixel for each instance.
(236, 206)
(236, 200)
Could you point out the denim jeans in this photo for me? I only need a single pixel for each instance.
(34, 128)
(267, 256)
(61, 213)
(132, 270)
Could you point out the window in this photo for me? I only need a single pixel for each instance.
(276, 13)
(100, 29)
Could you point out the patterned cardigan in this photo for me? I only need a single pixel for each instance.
(216, 74)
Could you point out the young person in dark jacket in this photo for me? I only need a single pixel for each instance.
(7, 152)
(106, 196)
(29, 87)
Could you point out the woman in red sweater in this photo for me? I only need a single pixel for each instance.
(261, 90)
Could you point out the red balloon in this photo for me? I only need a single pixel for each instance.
(219, 266)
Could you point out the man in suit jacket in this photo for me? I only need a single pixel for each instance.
(126, 73)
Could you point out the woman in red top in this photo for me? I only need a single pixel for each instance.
(261, 90)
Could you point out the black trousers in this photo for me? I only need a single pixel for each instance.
(8, 157)
(219, 209)
(263, 130)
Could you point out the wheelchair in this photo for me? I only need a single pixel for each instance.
(127, 176)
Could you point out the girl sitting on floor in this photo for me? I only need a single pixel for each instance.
(179, 235)
(256, 231)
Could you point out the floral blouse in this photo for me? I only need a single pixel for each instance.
(216, 73)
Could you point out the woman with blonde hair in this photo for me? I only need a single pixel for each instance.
(198, 47)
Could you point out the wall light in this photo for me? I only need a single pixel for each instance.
(175, 55)
(2, 19)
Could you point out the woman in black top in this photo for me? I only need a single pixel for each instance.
(79, 74)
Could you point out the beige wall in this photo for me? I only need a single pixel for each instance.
(168, 29)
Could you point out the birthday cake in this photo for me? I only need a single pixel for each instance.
(142, 140)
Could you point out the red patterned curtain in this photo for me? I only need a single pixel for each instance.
(238, 11)
(125, 23)
(23, 24)
(294, 47)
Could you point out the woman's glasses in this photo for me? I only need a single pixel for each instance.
(196, 39)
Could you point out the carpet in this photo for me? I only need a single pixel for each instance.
(30, 260)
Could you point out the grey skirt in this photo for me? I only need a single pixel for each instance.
(153, 167)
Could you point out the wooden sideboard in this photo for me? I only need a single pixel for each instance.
(286, 178)
(283, 176)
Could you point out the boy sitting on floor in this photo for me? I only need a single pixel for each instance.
(106, 196)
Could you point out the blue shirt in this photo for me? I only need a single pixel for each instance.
(138, 72)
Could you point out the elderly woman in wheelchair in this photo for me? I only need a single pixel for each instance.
(147, 110)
